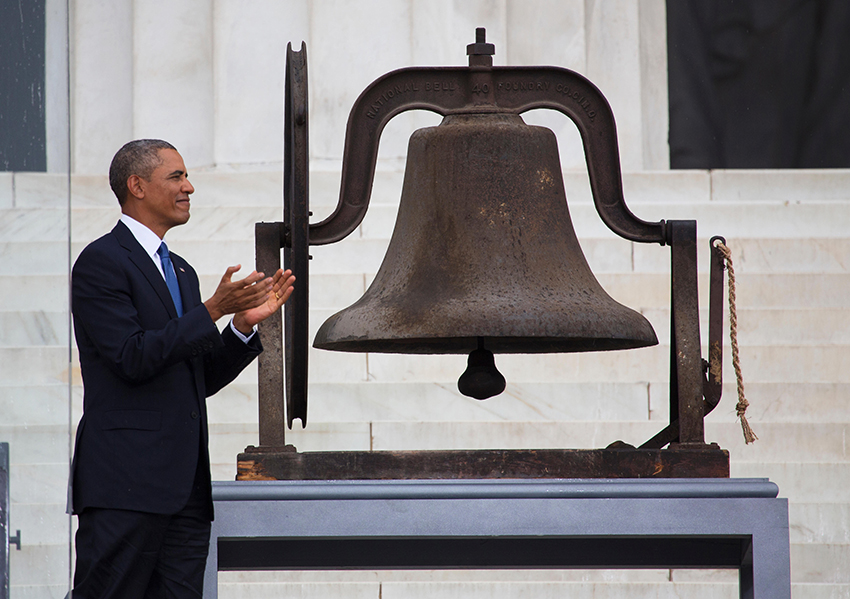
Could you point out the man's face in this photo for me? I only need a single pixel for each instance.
(166, 194)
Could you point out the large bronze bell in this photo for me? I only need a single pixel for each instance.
(484, 249)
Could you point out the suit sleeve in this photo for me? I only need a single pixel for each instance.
(118, 315)
(224, 363)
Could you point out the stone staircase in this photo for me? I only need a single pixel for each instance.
(789, 235)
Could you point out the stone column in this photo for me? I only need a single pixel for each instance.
(102, 76)
(652, 15)
(626, 59)
(550, 32)
(173, 75)
(249, 62)
(56, 66)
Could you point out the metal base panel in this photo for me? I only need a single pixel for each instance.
(422, 524)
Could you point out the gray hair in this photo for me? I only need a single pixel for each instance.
(139, 157)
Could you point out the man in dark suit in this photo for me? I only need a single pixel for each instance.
(150, 354)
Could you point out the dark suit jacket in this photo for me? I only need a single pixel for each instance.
(146, 374)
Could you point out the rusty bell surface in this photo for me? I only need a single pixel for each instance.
(484, 255)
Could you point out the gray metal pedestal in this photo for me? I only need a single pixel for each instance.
(626, 523)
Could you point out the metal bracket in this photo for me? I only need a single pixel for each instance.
(450, 90)
(711, 370)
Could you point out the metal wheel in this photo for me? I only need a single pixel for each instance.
(297, 233)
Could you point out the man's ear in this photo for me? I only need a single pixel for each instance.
(135, 187)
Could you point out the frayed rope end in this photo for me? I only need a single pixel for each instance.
(749, 435)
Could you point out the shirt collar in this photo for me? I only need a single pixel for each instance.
(149, 240)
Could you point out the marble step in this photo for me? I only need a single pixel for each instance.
(265, 186)
(640, 188)
(763, 363)
(51, 190)
(350, 393)
(341, 388)
(755, 291)
(702, 576)
(512, 590)
(778, 444)
(475, 590)
(233, 217)
(29, 576)
(222, 188)
(501, 421)
(29, 581)
(335, 290)
(41, 524)
(750, 256)
(33, 256)
(816, 363)
(788, 185)
(736, 186)
(364, 255)
(730, 220)
(370, 401)
(764, 335)
(801, 482)
(755, 326)
(235, 220)
(820, 523)
(484, 576)
(26, 405)
(439, 402)
(29, 328)
(789, 364)
(761, 326)
(28, 568)
(86, 224)
(821, 564)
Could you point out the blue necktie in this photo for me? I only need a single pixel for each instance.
(170, 277)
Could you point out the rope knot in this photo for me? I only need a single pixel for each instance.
(743, 404)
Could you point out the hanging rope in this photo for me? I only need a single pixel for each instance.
(743, 404)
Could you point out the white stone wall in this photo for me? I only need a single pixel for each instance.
(208, 76)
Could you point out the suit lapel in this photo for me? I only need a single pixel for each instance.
(143, 262)
(190, 294)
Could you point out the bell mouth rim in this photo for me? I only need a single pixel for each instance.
(497, 345)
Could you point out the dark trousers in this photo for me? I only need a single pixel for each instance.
(136, 555)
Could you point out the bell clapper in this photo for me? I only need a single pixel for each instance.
(481, 379)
